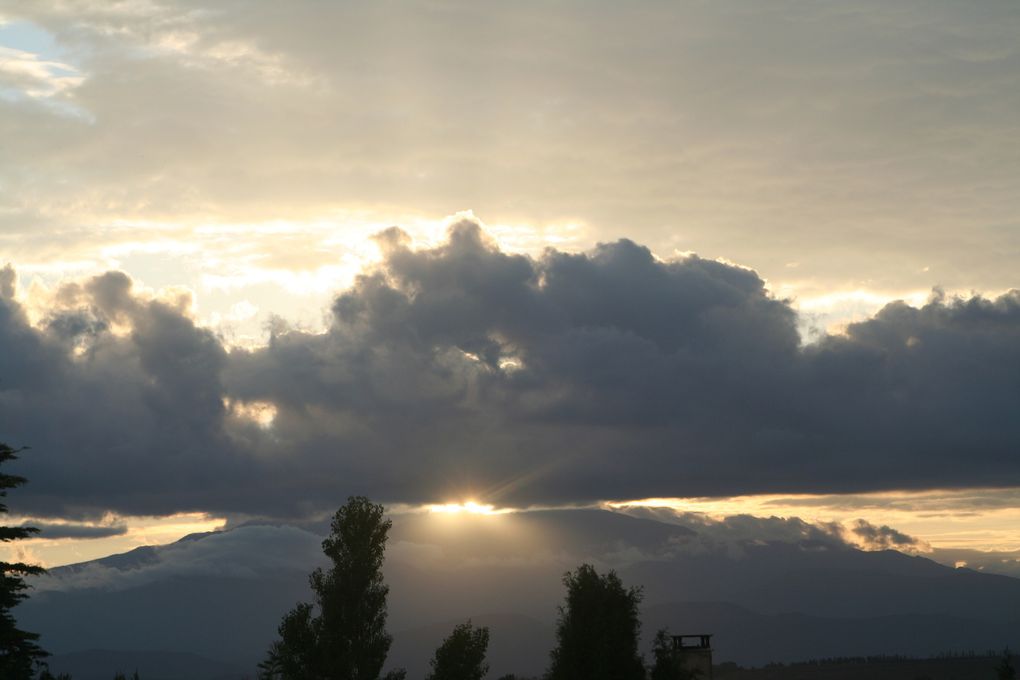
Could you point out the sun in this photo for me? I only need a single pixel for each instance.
(465, 507)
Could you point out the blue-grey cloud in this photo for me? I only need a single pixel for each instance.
(465, 370)
(49, 530)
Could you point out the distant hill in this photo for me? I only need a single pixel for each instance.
(779, 578)
(518, 644)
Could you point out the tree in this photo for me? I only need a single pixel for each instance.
(598, 629)
(293, 655)
(1005, 668)
(462, 655)
(343, 636)
(19, 653)
(666, 663)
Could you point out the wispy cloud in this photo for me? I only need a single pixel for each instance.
(25, 73)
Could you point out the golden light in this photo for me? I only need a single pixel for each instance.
(466, 508)
(141, 530)
(943, 518)
(261, 413)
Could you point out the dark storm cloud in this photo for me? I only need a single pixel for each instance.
(120, 400)
(463, 370)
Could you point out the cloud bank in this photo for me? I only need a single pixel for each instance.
(834, 147)
(465, 371)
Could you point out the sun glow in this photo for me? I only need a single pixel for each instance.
(466, 508)
(262, 413)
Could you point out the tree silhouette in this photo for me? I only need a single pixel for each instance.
(19, 653)
(598, 629)
(1005, 668)
(347, 639)
(462, 655)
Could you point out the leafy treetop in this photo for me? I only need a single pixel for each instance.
(462, 654)
(598, 630)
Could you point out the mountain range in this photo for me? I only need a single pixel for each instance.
(206, 607)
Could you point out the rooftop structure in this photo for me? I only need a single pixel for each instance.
(695, 652)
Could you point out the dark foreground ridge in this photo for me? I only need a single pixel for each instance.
(100, 664)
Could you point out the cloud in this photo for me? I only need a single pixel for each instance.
(931, 502)
(733, 534)
(8, 282)
(25, 74)
(883, 537)
(528, 115)
(460, 371)
(48, 530)
(119, 396)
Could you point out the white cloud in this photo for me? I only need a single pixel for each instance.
(25, 73)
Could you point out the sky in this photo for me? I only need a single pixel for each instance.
(759, 257)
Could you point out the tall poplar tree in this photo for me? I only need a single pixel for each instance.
(19, 652)
(343, 636)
